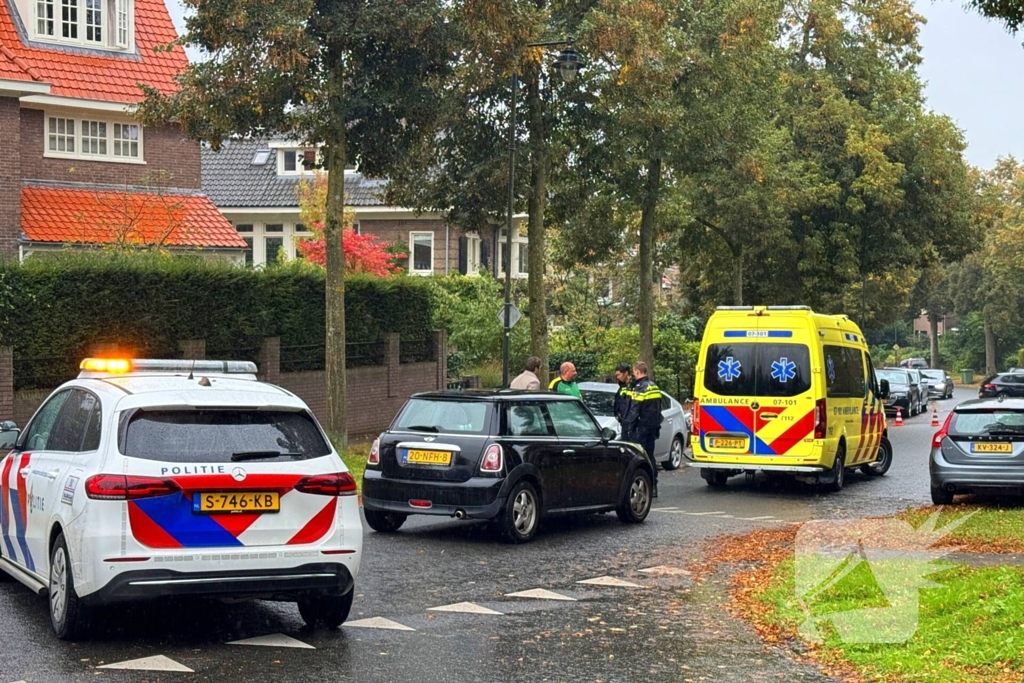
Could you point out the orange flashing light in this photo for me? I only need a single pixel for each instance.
(116, 365)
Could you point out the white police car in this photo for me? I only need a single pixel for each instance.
(153, 478)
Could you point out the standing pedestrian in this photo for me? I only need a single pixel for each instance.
(644, 417)
(528, 380)
(565, 383)
(622, 396)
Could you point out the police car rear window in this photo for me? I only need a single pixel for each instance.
(204, 436)
(753, 369)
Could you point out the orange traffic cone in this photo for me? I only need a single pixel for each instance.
(935, 416)
(899, 417)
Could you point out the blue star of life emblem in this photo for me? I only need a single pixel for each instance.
(783, 369)
(729, 369)
(830, 369)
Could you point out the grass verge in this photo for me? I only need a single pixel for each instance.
(354, 458)
(988, 530)
(969, 623)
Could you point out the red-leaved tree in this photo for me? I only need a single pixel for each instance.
(363, 253)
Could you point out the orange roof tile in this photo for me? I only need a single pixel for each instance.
(10, 69)
(75, 73)
(87, 216)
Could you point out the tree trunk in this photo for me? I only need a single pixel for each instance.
(540, 165)
(737, 277)
(334, 349)
(990, 349)
(933, 338)
(652, 191)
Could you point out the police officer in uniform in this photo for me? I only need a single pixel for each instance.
(644, 417)
(622, 396)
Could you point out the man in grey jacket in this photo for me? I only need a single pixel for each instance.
(528, 380)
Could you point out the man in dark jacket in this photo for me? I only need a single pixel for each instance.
(644, 417)
(622, 397)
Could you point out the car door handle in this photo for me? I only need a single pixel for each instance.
(568, 451)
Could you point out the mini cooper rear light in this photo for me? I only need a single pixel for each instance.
(820, 420)
(421, 504)
(121, 487)
(374, 457)
(942, 433)
(335, 484)
(494, 459)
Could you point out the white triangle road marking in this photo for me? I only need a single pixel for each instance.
(609, 582)
(378, 622)
(703, 514)
(540, 594)
(273, 640)
(665, 570)
(465, 607)
(157, 663)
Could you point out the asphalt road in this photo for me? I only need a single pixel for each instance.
(665, 629)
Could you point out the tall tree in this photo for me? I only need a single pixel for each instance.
(353, 77)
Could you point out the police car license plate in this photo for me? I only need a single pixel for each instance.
(250, 501)
(721, 442)
(417, 457)
(991, 448)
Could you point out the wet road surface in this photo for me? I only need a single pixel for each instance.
(663, 628)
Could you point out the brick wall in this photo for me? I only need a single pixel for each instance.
(10, 177)
(165, 149)
(398, 230)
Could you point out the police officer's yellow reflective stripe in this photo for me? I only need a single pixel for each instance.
(554, 382)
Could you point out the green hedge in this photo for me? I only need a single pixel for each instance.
(55, 308)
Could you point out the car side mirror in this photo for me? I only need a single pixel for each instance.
(883, 388)
(608, 434)
(9, 434)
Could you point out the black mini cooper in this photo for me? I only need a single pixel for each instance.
(507, 456)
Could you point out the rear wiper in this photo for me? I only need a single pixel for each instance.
(260, 455)
(422, 428)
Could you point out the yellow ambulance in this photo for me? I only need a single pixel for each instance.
(785, 389)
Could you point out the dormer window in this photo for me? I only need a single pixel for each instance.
(295, 161)
(104, 24)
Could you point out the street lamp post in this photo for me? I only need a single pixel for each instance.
(568, 65)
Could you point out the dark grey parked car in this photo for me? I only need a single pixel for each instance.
(904, 391)
(981, 446)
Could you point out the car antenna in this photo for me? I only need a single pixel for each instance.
(190, 376)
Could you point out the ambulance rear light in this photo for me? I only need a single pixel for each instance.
(121, 487)
(820, 421)
(102, 367)
(695, 416)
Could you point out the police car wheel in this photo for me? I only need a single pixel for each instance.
(838, 472)
(675, 455)
(327, 611)
(67, 615)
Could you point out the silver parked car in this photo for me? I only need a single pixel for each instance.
(981, 446)
(600, 398)
(939, 383)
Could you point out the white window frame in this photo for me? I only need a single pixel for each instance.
(87, 140)
(300, 167)
(79, 136)
(473, 260)
(116, 25)
(72, 134)
(516, 241)
(412, 252)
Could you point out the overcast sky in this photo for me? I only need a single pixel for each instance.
(973, 70)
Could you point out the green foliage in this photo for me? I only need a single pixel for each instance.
(62, 305)
(585, 362)
(468, 309)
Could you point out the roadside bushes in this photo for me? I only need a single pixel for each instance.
(60, 306)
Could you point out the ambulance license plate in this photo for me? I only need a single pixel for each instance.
(219, 502)
(416, 457)
(991, 448)
(722, 442)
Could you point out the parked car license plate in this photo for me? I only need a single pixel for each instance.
(991, 448)
(417, 457)
(252, 501)
(721, 442)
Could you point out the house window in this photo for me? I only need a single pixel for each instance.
(244, 227)
(356, 229)
(69, 19)
(273, 246)
(295, 161)
(248, 250)
(301, 229)
(61, 135)
(422, 252)
(524, 265)
(126, 140)
(93, 21)
(121, 10)
(94, 137)
(289, 161)
(274, 228)
(44, 17)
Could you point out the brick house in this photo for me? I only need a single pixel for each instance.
(80, 170)
(253, 183)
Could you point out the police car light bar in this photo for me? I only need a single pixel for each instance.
(105, 367)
